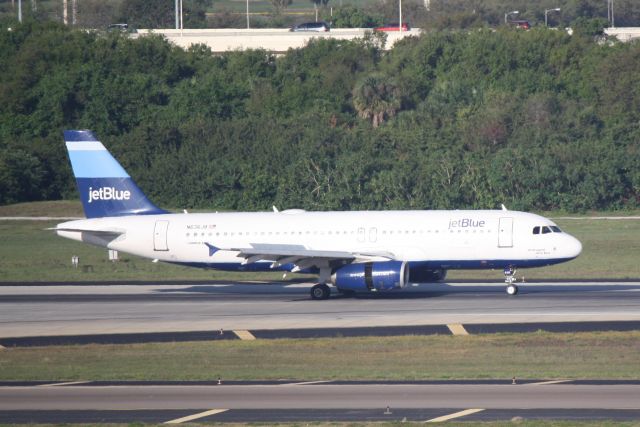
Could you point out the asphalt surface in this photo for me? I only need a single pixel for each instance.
(317, 402)
(185, 311)
(142, 312)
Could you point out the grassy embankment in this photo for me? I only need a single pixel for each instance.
(611, 355)
(30, 253)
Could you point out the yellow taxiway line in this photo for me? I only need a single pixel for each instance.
(196, 416)
(454, 415)
(457, 329)
(244, 335)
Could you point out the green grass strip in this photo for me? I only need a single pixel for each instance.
(542, 355)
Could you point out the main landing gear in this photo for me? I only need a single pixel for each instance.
(509, 278)
(320, 291)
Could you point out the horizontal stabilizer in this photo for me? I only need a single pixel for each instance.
(86, 230)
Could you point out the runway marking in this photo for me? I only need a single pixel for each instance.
(309, 382)
(551, 382)
(244, 335)
(196, 416)
(63, 384)
(454, 415)
(457, 329)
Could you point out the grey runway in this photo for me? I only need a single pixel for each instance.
(317, 402)
(31, 311)
(319, 396)
(287, 402)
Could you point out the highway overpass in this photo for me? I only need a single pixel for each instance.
(274, 40)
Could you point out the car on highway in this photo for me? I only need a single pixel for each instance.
(522, 24)
(393, 27)
(311, 26)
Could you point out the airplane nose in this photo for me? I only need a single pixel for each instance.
(574, 247)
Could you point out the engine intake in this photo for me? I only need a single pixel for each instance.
(379, 276)
(418, 275)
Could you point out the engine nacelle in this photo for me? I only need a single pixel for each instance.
(368, 276)
(419, 275)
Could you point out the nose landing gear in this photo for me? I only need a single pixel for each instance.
(509, 278)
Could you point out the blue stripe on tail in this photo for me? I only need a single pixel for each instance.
(105, 187)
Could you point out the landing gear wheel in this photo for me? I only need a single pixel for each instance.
(320, 291)
(512, 289)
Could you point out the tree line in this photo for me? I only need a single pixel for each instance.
(451, 119)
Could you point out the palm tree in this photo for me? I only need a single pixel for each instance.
(376, 97)
(280, 5)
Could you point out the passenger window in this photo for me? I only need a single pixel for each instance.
(536, 230)
(545, 230)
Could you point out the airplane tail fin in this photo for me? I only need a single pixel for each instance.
(105, 187)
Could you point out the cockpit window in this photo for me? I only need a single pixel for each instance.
(556, 229)
(536, 230)
(545, 230)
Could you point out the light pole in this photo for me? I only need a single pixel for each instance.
(506, 15)
(610, 13)
(247, 14)
(400, 15)
(546, 12)
(177, 15)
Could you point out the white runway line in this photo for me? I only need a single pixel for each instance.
(63, 384)
(309, 382)
(551, 382)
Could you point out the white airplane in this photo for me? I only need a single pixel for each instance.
(352, 251)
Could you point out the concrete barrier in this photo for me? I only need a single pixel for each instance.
(624, 34)
(270, 39)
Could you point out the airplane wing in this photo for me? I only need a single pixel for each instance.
(299, 255)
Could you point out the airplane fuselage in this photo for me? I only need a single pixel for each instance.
(456, 239)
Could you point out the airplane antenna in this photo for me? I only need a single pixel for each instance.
(504, 208)
(275, 210)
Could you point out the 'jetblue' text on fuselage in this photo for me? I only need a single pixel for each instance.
(466, 223)
(108, 193)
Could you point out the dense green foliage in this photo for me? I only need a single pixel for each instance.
(535, 120)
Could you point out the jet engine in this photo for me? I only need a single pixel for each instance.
(379, 276)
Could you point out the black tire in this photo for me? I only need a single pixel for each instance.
(512, 290)
(320, 292)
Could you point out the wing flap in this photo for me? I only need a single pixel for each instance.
(299, 255)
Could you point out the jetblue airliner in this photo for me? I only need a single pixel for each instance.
(349, 251)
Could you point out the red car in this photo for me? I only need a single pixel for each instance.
(393, 27)
(521, 24)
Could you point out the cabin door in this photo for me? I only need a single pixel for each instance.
(505, 233)
(160, 236)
